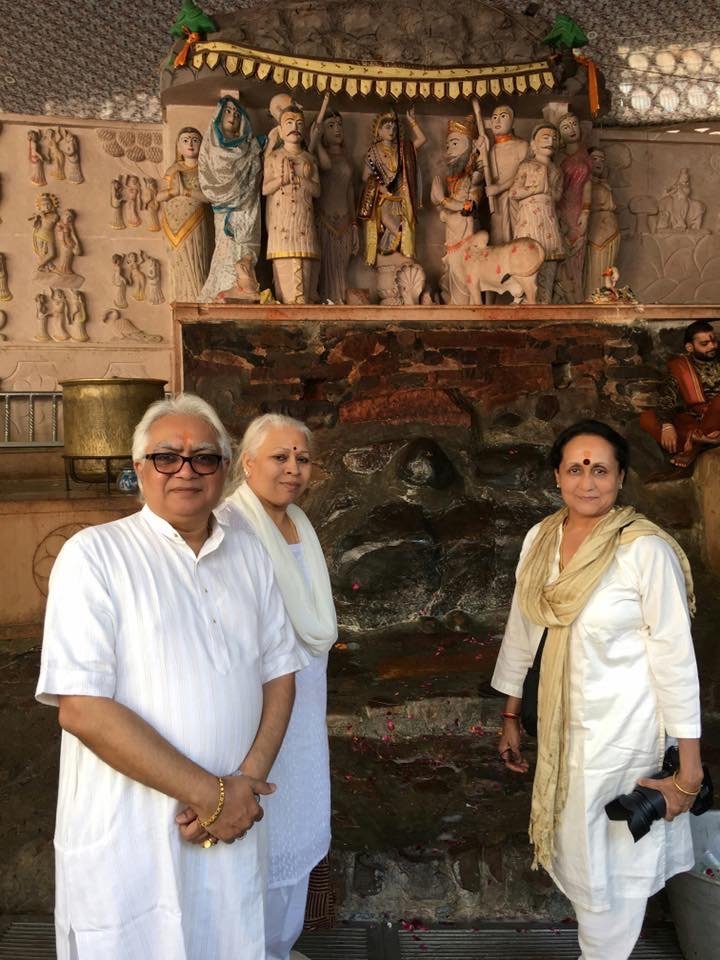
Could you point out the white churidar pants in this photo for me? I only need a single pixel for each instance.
(610, 934)
(284, 917)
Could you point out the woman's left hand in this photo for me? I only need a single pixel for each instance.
(675, 801)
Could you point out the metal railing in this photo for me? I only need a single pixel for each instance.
(30, 419)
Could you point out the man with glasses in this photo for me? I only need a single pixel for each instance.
(168, 653)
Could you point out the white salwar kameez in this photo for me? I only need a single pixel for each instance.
(186, 642)
(633, 678)
(298, 815)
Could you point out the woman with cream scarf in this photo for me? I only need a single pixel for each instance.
(275, 462)
(618, 674)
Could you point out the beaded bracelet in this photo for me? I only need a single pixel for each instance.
(218, 809)
(688, 793)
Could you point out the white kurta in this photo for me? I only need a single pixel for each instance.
(186, 642)
(298, 815)
(633, 678)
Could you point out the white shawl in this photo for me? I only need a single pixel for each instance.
(312, 615)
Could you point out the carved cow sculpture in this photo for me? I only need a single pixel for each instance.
(509, 267)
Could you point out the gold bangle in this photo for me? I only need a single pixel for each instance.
(218, 809)
(687, 793)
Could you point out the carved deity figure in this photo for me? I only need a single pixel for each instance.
(35, 159)
(390, 196)
(504, 156)
(186, 219)
(132, 200)
(150, 203)
(456, 197)
(603, 233)
(153, 292)
(117, 200)
(42, 312)
(291, 183)
(43, 236)
(229, 166)
(53, 155)
(573, 210)
(678, 210)
(535, 192)
(337, 227)
(58, 315)
(78, 318)
(69, 147)
(119, 281)
(69, 243)
(136, 279)
(5, 294)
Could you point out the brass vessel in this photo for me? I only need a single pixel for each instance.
(99, 416)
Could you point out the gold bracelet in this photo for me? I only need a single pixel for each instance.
(218, 809)
(688, 793)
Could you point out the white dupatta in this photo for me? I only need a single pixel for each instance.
(312, 614)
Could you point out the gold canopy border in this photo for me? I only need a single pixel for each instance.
(363, 79)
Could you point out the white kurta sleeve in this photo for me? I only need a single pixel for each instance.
(519, 644)
(281, 652)
(78, 652)
(669, 644)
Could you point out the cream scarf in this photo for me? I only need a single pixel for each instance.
(557, 605)
(312, 614)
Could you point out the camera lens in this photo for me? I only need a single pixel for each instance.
(639, 809)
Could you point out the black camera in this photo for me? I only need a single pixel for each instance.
(644, 805)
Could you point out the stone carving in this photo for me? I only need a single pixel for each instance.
(60, 318)
(677, 210)
(150, 203)
(153, 292)
(337, 228)
(603, 232)
(3, 321)
(135, 277)
(644, 207)
(509, 267)
(400, 283)
(246, 289)
(78, 317)
(457, 198)
(68, 248)
(132, 201)
(44, 223)
(52, 154)
(503, 159)
(229, 168)
(119, 281)
(137, 146)
(35, 159)
(4, 288)
(390, 195)
(186, 219)
(125, 329)
(535, 191)
(117, 221)
(291, 183)
(573, 211)
(68, 145)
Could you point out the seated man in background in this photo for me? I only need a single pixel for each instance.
(688, 418)
(169, 655)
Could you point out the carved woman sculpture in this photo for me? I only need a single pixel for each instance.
(135, 277)
(150, 203)
(390, 196)
(58, 315)
(35, 159)
(229, 167)
(79, 318)
(456, 198)
(117, 200)
(603, 233)
(119, 281)
(53, 154)
(573, 211)
(337, 228)
(42, 312)
(131, 196)
(535, 191)
(69, 147)
(291, 183)
(69, 246)
(4, 288)
(44, 223)
(186, 219)
(153, 293)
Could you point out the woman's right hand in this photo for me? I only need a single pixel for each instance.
(509, 746)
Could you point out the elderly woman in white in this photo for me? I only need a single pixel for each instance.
(275, 460)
